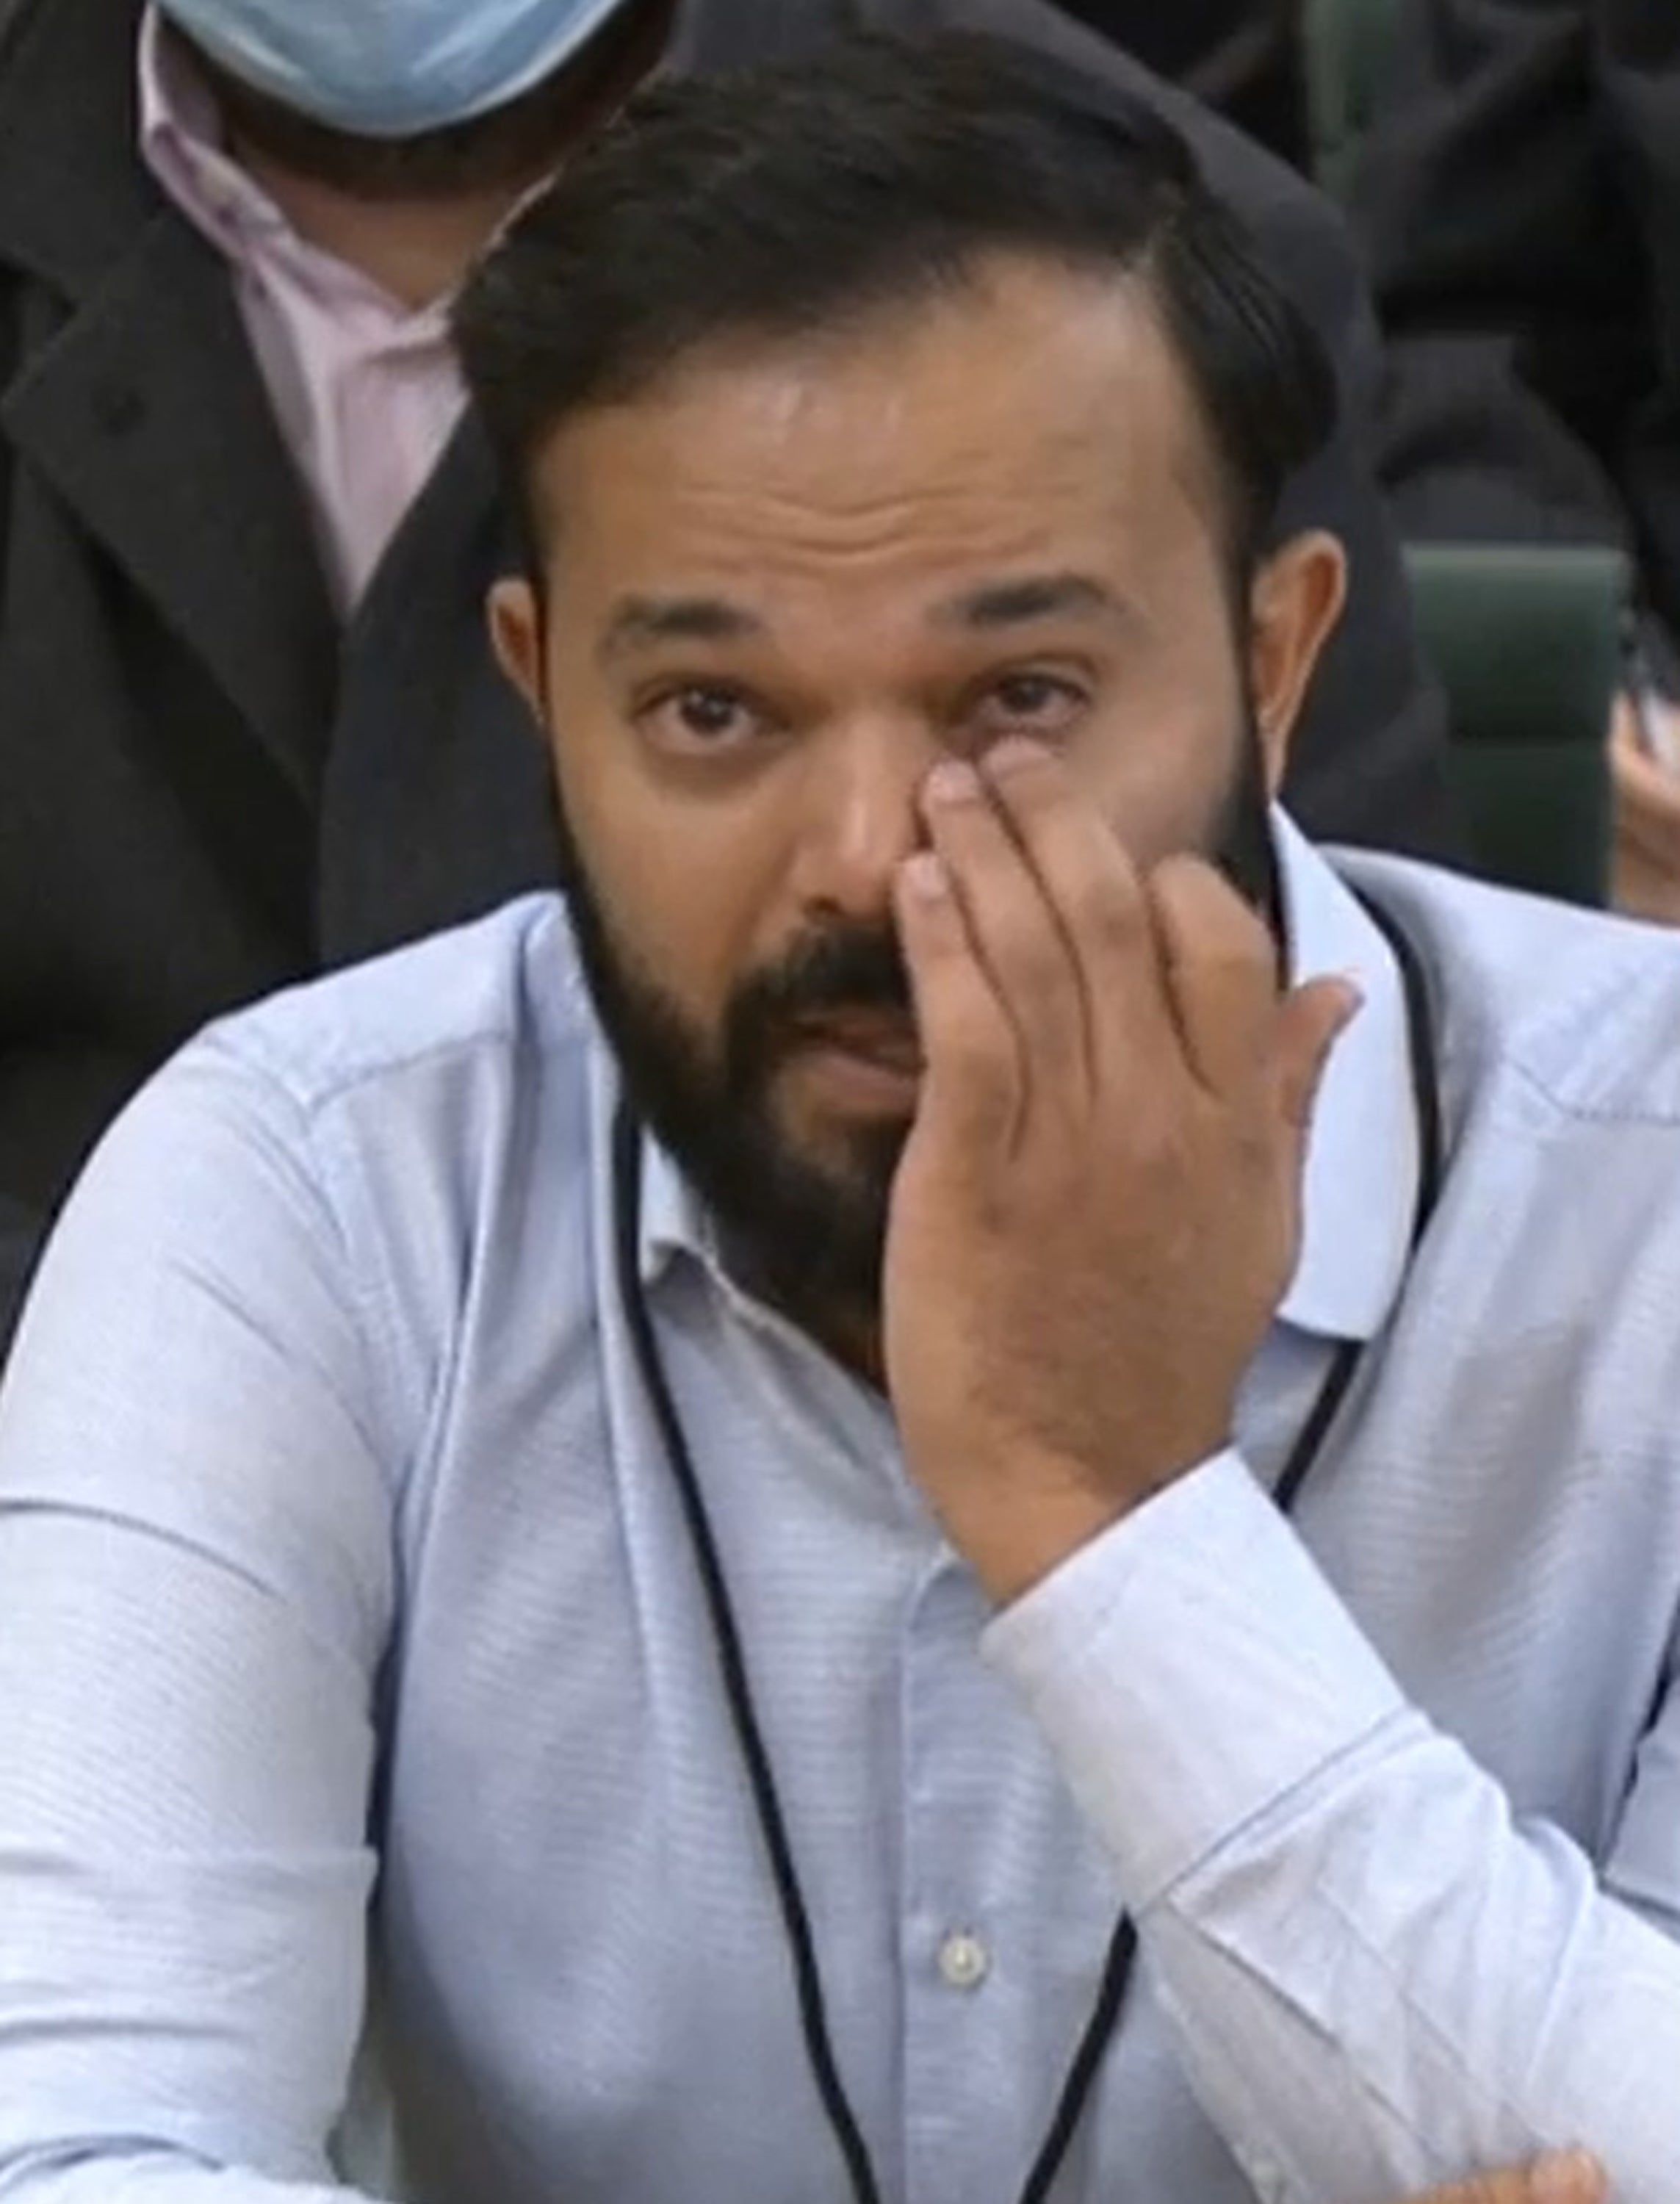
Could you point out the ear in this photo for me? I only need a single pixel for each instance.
(516, 634)
(1293, 607)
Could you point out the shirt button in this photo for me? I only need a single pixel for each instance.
(964, 1961)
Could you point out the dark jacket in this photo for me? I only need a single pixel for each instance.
(206, 792)
(1519, 200)
(1245, 58)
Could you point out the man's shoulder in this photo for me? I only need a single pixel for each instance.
(366, 1169)
(500, 996)
(1264, 188)
(68, 68)
(1578, 1011)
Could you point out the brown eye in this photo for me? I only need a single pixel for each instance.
(702, 718)
(709, 714)
(1031, 704)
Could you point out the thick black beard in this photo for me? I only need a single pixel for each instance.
(808, 1237)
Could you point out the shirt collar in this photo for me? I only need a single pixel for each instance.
(1360, 1192)
(673, 1221)
(180, 141)
(1362, 1170)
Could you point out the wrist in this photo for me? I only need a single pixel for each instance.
(1048, 1510)
(1016, 1515)
(1013, 1557)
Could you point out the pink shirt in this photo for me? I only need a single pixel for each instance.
(366, 392)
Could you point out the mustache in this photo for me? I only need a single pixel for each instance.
(859, 966)
(843, 967)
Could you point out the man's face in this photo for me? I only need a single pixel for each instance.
(784, 584)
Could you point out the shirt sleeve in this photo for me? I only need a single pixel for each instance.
(1377, 1977)
(196, 1587)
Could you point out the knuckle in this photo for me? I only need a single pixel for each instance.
(1037, 978)
(1107, 908)
(1023, 934)
(1181, 876)
(1041, 975)
(974, 1046)
(1245, 976)
(1165, 1146)
(1209, 907)
(982, 1110)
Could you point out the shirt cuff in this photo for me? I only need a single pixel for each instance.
(1190, 1667)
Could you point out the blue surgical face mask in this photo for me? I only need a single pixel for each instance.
(390, 69)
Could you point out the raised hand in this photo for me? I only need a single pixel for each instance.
(1098, 1212)
(1566, 2176)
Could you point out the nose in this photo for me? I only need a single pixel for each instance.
(860, 817)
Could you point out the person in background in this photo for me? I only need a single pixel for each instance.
(1245, 58)
(1518, 200)
(966, 1486)
(249, 724)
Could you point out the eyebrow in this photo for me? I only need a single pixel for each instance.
(639, 623)
(1016, 602)
(643, 622)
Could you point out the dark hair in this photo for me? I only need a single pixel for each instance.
(791, 196)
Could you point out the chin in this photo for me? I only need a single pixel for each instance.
(853, 1144)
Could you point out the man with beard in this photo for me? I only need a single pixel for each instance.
(249, 726)
(948, 1503)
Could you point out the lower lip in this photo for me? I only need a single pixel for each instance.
(862, 1083)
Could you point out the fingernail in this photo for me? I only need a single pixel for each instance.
(952, 781)
(924, 877)
(1016, 754)
(1565, 2176)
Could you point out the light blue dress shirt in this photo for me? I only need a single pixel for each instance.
(353, 1660)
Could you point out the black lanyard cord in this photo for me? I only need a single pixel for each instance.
(731, 1660)
(1087, 2060)
(738, 1688)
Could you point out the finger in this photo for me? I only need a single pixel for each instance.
(1013, 927)
(1645, 733)
(1646, 810)
(1311, 1020)
(1623, 722)
(1642, 886)
(1564, 2177)
(971, 1076)
(1644, 785)
(1220, 963)
(1093, 889)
